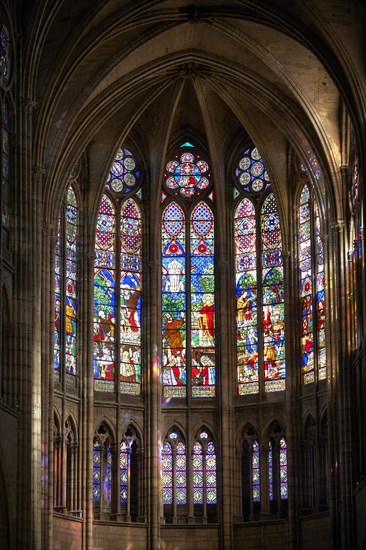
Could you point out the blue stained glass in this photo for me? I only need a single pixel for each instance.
(167, 473)
(96, 469)
(283, 469)
(270, 470)
(256, 494)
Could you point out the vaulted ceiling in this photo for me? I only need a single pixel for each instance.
(278, 71)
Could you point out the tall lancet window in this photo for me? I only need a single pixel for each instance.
(66, 291)
(259, 288)
(188, 280)
(311, 264)
(118, 281)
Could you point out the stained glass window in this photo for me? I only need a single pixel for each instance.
(277, 470)
(66, 291)
(118, 281)
(283, 469)
(5, 162)
(197, 473)
(167, 473)
(181, 474)
(123, 472)
(311, 266)
(204, 471)
(273, 313)
(174, 470)
(4, 53)
(97, 461)
(188, 282)
(259, 279)
(270, 470)
(256, 486)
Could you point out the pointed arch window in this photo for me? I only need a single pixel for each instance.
(251, 492)
(102, 471)
(174, 474)
(118, 280)
(66, 292)
(72, 446)
(129, 475)
(204, 476)
(188, 280)
(312, 293)
(259, 276)
(277, 470)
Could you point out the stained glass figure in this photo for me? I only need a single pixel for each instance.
(118, 280)
(105, 297)
(256, 491)
(246, 297)
(311, 268)
(130, 292)
(320, 297)
(251, 173)
(306, 287)
(66, 291)
(174, 309)
(273, 297)
(57, 323)
(167, 473)
(71, 302)
(188, 175)
(283, 469)
(202, 301)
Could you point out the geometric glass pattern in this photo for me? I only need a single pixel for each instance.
(283, 469)
(210, 474)
(188, 282)
(181, 474)
(65, 324)
(256, 494)
(123, 472)
(123, 176)
(273, 312)
(251, 173)
(187, 175)
(270, 470)
(197, 473)
(97, 464)
(167, 473)
(117, 281)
